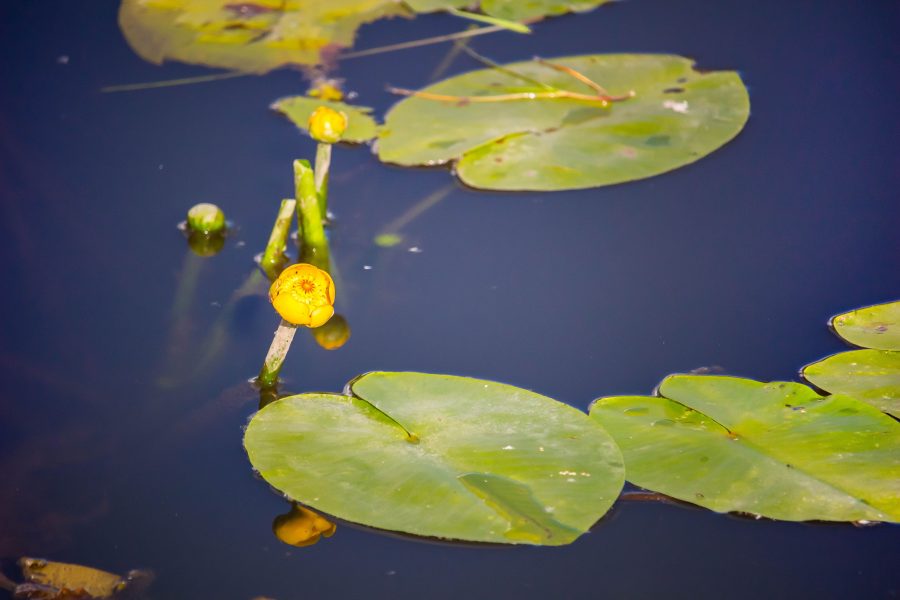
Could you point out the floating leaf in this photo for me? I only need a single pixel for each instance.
(361, 127)
(778, 449)
(872, 376)
(513, 10)
(255, 36)
(875, 327)
(677, 116)
(441, 456)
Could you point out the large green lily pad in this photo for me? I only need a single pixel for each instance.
(875, 327)
(872, 376)
(677, 116)
(441, 456)
(513, 10)
(255, 36)
(361, 127)
(778, 449)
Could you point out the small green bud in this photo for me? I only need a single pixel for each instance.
(327, 125)
(206, 218)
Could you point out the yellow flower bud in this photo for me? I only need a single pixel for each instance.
(333, 334)
(327, 125)
(303, 295)
(302, 527)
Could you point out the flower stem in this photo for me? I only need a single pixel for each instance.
(281, 343)
(273, 258)
(312, 230)
(323, 164)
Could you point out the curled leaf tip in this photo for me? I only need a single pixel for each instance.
(303, 295)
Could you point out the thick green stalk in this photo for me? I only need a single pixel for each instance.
(273, 258)
(312, 228)
(281, 343)
(323, 164)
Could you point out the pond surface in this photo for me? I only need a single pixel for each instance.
(120, 446)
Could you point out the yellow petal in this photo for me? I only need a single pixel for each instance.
(291, 310)
(320, 315)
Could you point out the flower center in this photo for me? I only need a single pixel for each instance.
(307, 286)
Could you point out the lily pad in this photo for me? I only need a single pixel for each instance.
(676, 116)
(778, 449)
(513, 10)
(875, 327)
(441, 456)
(361, 127)
(872, 376)
(255, 36)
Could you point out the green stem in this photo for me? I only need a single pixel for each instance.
(273, 258)
(504, 23)
(281, 343)
(312, 229)
(323, 164)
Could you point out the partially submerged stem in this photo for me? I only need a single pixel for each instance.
(132, 87)
(323, 165)
(423, 42)
(602, 96)
(550, 95)
(577, 75)
(504, 23)
(495, 65)
(273, 258)
(312, 229)
(281, 343)
(180, 321)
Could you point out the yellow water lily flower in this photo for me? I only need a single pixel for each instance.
(303, 295)
(327, 125)
(302, 527)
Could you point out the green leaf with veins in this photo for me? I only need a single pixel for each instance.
(677, 116)
(872, 376)
(441, 456)
(778, 449)
(875, 327)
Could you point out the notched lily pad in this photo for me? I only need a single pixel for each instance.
(778, 449)
(255, 36)
(361, 127)
(872, 376)
(676, 116)
(441, 456)
(875, 327)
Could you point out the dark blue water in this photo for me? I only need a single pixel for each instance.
(736, 261)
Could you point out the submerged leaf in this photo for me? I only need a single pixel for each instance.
(50, 580)
(872, 376)
(875, 327)
(361, 127)
(773, 449)
(255, 36)
(677, 116)
(441, 456)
